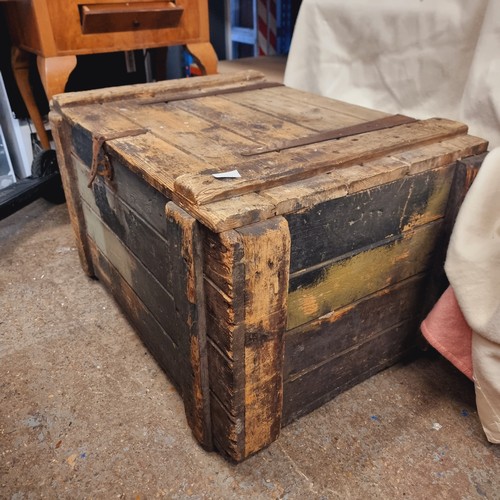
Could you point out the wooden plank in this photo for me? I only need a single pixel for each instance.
(228, 113)
(149, 157)
(224, 283)
(272, 169)
(128, 186)
(345, 224)
(226, 430)
(266, 248)
(316, 387)
(148, 289)
(311, 111)
(442, 153)
(102, 120)
(186, 260)
(136, 234)
(150, 331)
(158, 90)
(319, 290)
(195, 135)
(294, 196)
(246, 306)
(62, 136)
(314, 343)
(231, 213)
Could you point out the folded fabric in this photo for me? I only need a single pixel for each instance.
(446, 329)
(473, 269)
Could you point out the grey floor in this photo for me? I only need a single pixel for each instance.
(85, 412)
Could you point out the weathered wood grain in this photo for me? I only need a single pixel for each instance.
(158, 90)
(332, 105)
(442, 153)
(273, 169)
(128, 186)
(310, 111)
(224, 283)
(312, 344)
(299, 195)
(158, 300)
(348, 368)
(246, 321)
(62, 136)
(318, 291)
(345, 224)
(252, 123)
(186, 259)
(149, 329)
(148, 245)
(266, 249)
(214, 145)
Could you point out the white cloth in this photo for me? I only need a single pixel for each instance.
(473, 268)
(422, 58)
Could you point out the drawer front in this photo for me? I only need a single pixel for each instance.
(130, 16)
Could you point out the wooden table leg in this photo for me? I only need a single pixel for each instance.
(205, 56)
(54, 73)
(20, 66)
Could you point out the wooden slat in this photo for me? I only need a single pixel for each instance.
(345, 224)
(232, 213)
(320, 290)
(62, 137)
(148, 245)
(148, 289)
(308, 110)
(266, 248)
(194, 135)
(158, 162)
(351, 367)
(313, 344)
(103, 120)
(185, 258)
(442, 153)
(274, 169)
(158, 90)
(224, 266)
(246, 319)
(253, 124)
(291, 197)
(150, 331)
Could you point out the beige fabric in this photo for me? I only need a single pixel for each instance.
(422, 58)
(486, 362)
(473, 268)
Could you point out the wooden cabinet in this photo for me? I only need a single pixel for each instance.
(59, 30)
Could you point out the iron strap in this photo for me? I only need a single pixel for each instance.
(371, 126)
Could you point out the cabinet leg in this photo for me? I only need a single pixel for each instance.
(20, 60)
(205, 56)
(54, 73)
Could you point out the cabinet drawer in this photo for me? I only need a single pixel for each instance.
(129, 16)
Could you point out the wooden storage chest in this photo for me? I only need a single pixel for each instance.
(265, 295)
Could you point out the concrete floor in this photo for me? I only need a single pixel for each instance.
(85, 412)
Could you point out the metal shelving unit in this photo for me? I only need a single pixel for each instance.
(258, 27)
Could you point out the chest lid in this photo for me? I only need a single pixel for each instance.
(290, 149)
